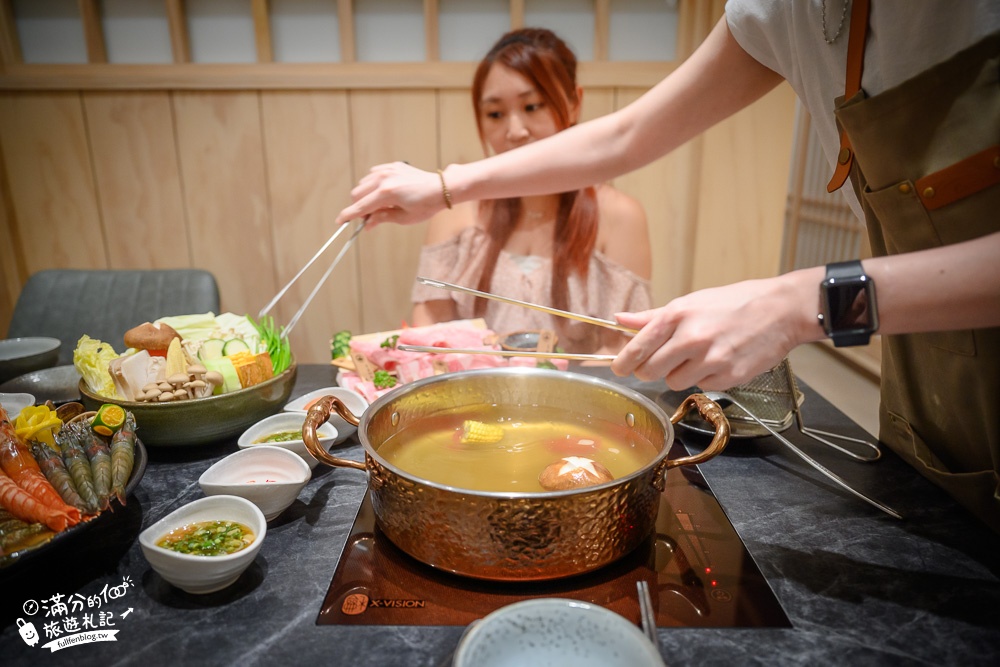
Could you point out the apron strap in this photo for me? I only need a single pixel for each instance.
(855, 65)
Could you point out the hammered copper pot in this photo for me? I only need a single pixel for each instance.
(514, 536)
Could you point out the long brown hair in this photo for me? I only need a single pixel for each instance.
(545, 60)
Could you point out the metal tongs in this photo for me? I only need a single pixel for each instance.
(336, 260)
(607, 324)
(723, 399)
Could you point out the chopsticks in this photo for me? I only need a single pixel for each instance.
(607, 324)
(336, 260)
(507, 353)
(646, 614)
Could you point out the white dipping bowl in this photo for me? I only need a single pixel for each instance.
(14, 403)
(555, 631)
(269, 477)
(287, 421)
(354, 401)
(204, 574)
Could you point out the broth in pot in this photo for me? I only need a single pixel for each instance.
(497, 449)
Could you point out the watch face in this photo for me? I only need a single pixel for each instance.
(847, 306)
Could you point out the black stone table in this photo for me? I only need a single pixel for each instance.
(859, 587)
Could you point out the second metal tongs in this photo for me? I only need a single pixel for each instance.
(724, 399)
(336, 260)
(607, 324)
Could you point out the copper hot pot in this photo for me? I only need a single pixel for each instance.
(514, 536)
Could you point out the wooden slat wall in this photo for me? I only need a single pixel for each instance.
(384, 129)
(240, 169)
(138, 179)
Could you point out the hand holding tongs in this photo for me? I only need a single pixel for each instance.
(607, 324)
(336, 260)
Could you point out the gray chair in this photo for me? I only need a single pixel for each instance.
(104, 304)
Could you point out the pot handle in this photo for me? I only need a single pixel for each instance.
(318, 415)
(713, 414)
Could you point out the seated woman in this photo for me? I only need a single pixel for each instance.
(586, 251)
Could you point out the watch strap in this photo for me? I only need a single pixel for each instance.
(841, 270)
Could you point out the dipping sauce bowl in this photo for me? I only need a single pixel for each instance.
(269, 477)
(204, 574)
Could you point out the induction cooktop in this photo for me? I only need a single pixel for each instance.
(699, 572)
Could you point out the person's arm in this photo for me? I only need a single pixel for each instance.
(720, 337)
(719, 79)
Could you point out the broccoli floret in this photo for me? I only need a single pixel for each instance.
(383, 380)
(340, 345)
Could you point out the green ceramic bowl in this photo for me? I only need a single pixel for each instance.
(201, 421)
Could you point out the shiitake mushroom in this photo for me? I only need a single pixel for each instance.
(573, 472)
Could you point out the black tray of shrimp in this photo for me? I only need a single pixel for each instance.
(63, 471)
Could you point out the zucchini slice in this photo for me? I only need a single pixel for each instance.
(234, 345)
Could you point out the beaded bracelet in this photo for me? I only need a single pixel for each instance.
(444, 189)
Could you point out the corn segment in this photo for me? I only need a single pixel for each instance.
(479, 433)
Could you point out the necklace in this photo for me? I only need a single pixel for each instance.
(840, 28)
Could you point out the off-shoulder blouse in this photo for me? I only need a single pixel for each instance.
(608, 288)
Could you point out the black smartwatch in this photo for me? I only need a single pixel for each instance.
(848, 311)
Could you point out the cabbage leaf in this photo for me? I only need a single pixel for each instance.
(91, 359)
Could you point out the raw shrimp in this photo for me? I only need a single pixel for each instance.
(77, 463)
(100, 465)
(26, 507)
(22, 468)
(122, 456)
(52, 464)
(17, 535)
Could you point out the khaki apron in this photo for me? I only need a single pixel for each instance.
(926, 168)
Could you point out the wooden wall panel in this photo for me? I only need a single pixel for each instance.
(221, 153)
(307, 141)
(667, 189)
(457, 128)
(597, 102)
(389, 126)
(743, 192)
(10, 271)
(136, 170)
(47, 161)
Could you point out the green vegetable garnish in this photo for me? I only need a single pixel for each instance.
(390, 342)
(208, 538)
(545, 363)
(383, 380)
(276, 343)
(340, 346)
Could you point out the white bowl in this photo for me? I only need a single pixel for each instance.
(287, 421)
(555, 631)
(14, 403)
(204, 574)
(269, 477)
(354, 401)
(23, 355)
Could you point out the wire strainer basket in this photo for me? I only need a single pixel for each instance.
(773, 397)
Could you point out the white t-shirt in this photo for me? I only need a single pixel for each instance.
(905, 37)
